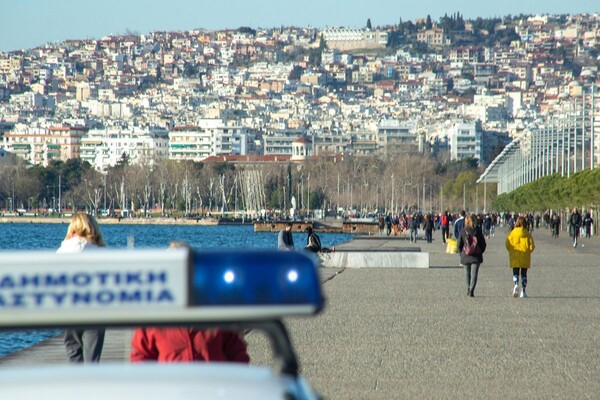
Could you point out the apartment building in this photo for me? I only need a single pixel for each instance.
(465, 141)
(104, 148)
(40, 146)
(392, 133)
(210, 138)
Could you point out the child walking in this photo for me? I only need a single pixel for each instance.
(520, 245)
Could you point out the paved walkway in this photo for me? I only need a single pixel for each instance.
(413, 333)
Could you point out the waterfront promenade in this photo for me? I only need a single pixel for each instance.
(400, 333)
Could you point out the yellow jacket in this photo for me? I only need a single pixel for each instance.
(519, 244)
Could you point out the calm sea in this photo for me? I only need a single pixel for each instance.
(49, 237)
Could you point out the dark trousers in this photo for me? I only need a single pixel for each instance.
(471, 273)
(83, 345)
(523, 272)
(445, 230)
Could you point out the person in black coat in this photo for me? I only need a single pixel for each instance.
(471, 262)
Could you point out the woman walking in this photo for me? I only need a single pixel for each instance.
(520, 245)
(471, 245)
(83, 234)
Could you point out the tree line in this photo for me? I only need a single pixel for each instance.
(396, 182)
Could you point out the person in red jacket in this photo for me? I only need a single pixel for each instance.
(185, 344)
(177, 344)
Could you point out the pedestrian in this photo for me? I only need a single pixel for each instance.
(459, 224)
(388, 223)
(471, 246)
(396, 224)
(428, 227)
(313, 242)
(285, 240)
(381, 223)
(520, 245)
(587, 223)
(181, 344)
(487, 226)
(414, 227)
(511, 222)
(555, 225)
(574, 225)
(83, 234)
(445, 226)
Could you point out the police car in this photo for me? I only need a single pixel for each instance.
(120, 288)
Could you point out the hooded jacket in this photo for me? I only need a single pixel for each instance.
(187, 344)
(520, 245)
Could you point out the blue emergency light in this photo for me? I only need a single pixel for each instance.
(254, 278)
(144, 287)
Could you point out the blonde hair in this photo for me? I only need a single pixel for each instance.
(470, 221)
(86, 227)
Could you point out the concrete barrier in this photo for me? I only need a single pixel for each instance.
(375, 259)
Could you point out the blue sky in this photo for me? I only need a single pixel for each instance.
(30, 23)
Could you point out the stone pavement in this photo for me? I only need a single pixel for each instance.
(413, 333)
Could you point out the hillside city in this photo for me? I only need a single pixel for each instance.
(459, 89)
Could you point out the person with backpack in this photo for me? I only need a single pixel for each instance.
(445, 226)
(471, 246)
(520, 245)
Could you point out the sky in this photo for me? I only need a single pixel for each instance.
(30, 23)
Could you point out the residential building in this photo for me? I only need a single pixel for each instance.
(40, 146)
(465, 141)
(210, 138)
(104, 148)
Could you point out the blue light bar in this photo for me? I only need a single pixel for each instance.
(253, 278)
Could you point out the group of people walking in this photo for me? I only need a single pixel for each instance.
(472, 244)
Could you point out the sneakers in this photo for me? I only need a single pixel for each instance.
(516, 290)
(523, 294)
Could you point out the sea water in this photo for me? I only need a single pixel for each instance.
(49, 236)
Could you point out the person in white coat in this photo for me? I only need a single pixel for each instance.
(83, 234)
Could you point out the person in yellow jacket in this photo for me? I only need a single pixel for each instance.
(520, 245)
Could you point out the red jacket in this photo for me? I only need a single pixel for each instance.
(187, 344)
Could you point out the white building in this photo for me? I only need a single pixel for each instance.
(211, 137)
(104, 148)
(394, 133)
(465, 141)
